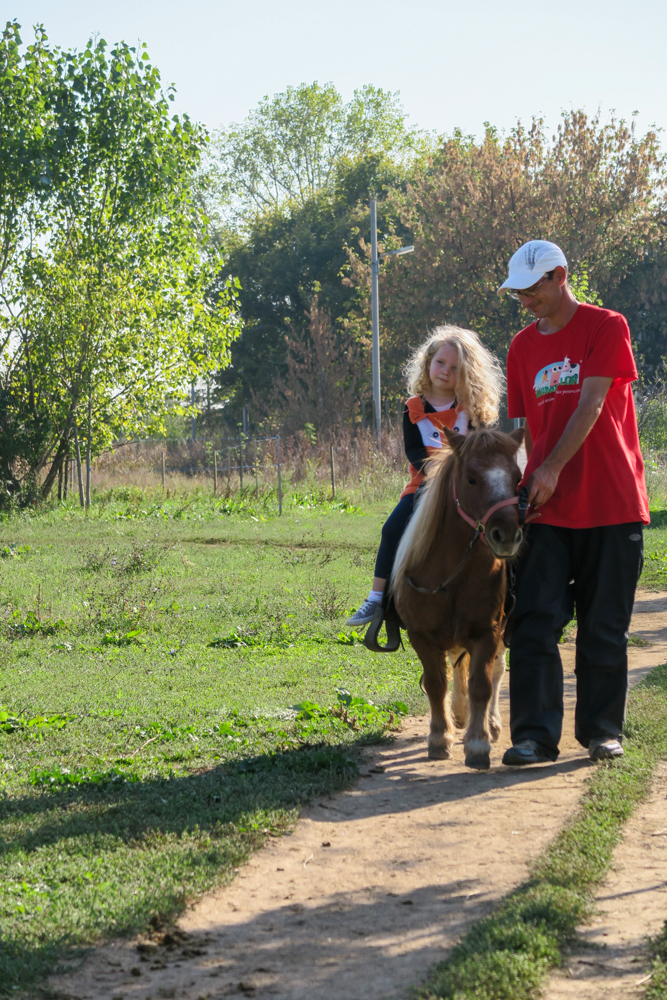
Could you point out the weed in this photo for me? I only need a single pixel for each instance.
(234, 641)
(59, 777)
(350, 638)
(14, 551)
(330, 599)
(21, 626)
(12, 723)
(135, 637)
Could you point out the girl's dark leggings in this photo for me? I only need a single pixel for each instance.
(392, 532)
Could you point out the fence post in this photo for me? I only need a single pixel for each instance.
(386, 412)
(229, 468)
(280, 483)
(163, 471)
(256, 473)
(241, 466)
(363, 414)
(215, 472)
(333, 473)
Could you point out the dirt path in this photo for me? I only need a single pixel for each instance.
(375, 884)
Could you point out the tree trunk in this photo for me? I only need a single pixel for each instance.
(88, 450)
(78, 464)
(56, 465)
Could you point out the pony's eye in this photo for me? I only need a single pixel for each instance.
(471, 481)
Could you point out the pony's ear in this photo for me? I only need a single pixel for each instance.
(456, 440)
(517, 436)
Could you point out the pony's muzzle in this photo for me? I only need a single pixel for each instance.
(504, 540)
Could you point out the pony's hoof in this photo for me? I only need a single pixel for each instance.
(479, 761)
(460, 721)
(440, 752)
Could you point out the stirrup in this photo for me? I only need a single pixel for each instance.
(394, 641)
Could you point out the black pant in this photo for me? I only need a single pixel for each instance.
(594, 570)
(392, 532)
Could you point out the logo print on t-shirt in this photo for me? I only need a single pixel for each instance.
(559, 373)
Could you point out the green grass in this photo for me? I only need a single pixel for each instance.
(508, 955)
(175, 681)
(657, 987)
(654, 576)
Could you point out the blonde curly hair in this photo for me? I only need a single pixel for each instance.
(479, 381)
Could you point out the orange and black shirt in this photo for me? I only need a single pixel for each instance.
(422, 434)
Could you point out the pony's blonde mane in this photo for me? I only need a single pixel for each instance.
(420, 534)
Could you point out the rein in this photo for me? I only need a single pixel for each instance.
(521, 500)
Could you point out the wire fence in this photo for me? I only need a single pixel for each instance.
(245, 459)
(229, 465)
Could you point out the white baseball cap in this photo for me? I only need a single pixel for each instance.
(531, 262)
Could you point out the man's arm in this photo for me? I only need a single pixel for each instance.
(545, 479)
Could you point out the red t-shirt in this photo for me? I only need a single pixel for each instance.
(604, 482)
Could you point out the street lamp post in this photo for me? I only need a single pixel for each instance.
(375, 312)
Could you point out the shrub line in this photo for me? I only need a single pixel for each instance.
(509, 954)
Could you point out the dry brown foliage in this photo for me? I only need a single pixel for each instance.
(597, 190)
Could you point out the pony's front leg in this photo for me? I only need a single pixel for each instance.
(434, 662)
(495, 723)
(480, 688)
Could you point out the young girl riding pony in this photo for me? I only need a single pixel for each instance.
(454, 382)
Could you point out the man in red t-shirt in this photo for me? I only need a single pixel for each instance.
(569, 374)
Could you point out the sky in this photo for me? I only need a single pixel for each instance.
(456, 64)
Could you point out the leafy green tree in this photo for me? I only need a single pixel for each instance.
(32, 139)
(295, 145)
(113, 310)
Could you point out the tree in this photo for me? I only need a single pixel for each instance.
(113, 310)
(292, 146)
(597, 190)
(323, 373)
(32, 140)
(287, 256)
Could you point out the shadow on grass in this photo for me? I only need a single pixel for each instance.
(87, 862)
(658, 519)
(112, 857)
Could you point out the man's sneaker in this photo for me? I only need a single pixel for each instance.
(365, 613)
(525, 752)
(604, 748)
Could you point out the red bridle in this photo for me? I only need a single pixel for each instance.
(480, 526)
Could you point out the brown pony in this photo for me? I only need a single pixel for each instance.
(449, 584)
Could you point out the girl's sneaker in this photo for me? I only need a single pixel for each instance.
(365, 613)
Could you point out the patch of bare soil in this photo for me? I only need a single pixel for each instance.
(375, 884)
